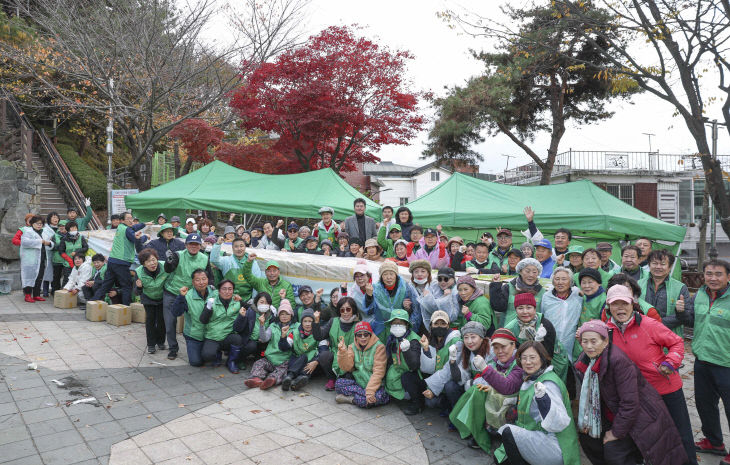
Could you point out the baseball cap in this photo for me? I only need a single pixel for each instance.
(543, 243)
(175, 218)
(292, 226)
(193, 238)
(271, 263)
(190, 220)
(604, 246)
(428, 231)
(505, 231)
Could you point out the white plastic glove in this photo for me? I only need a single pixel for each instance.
(471, 270)
(452, 353)
(87, 202)
(209, 303)
(479, 363)
(539, 390)
(462, 248)
(405, 344)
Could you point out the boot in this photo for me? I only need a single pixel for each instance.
(253, 382)
(218, 359)
(29, 299)
(286, 382)
(413, 407)
(343, 399)
(232, 356)
(330, 386)
(300, 382)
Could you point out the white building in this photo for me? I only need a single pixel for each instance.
(396, 185)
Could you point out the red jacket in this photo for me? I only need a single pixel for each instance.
(644, 340)
(16, 238)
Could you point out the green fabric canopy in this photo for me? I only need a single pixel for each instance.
(221, 187)
(587, 210)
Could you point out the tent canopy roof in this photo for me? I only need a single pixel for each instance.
(582, 207)
(221, 187)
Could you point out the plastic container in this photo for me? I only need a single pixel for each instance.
(5, 286)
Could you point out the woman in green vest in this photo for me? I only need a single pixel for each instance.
(594, 299)
(502, 295)
(473, 305)
(271, 368)
(592, 261)
(441, 389)
(151, 278)
(219, 332)
(364, 364)
(191, 303)
(491, 398)
(71, 243)
(544, 433)
(402, 379)
(303, 360)
(342, 327)
(532, 326)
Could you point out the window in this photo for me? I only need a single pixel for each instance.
(685, 201)
(624, 192)
(435, 176)
(403, 200)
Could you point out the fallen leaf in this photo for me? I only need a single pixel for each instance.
(189, 457)
(245, 443)
(256, 411)
(77, 419)
(149, 416)
(44, 341)
(151, 378)
(180, 405)
(378, 416)
(299, 423)
(221, 376)
(220, 402)
(429, 424)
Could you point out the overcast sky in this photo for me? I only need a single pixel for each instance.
(442, 58)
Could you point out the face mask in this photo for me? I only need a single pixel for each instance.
(262, 308)
(398, 330)
(72, 234)
(439, 332)
(420, 281)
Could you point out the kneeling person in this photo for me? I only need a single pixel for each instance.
(191, 303)
(219, 332)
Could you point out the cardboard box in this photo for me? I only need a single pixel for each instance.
(64, 299)
(138, 313)
(180, 324)
(118, 315)
(96, 310)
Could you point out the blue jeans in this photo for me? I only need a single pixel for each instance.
(712, 383)
(195, 351)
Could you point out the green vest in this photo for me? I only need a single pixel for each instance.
(560, 358)
(71, 247)
(393, 385)
(307, 345)
(152, 287)
(511, 313)
(335, 333)
(568, 438)
(297, 241)
(590, 310)
(221, 322)
(495, 258)
(57, 258)
(273, 354)
(711, 341)
(122, 249)
(605, 276)
(673, 288)
(182, 276)
(364, 361)
(323, 234)
(481, 311)
(442, 355)
(241, 286)
(193, 327)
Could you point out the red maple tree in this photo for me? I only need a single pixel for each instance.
(197, 138)
(333, 101)
(259, 158)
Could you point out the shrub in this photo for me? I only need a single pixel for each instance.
(91, 181)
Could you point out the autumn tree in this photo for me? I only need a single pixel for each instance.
(163, 69)
(333, 102)
(526, 89)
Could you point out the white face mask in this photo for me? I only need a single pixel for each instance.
(420, 281)
(262, 308)
(398, 330)
(72, 234)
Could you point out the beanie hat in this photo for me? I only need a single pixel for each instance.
(304, 288)
(372, 243)
(467, 279)
(307, 312)
(591, 273)
(401, 241)
(327, 242)
(525, 298)
(440, 315)
(388, 266)
(619, 292)
(285, 306)
(363, 326)
(229, 230)
(597, 326)
(503, 336)
(446, 271)
(474, 327)
(420, 264)
(527, 262)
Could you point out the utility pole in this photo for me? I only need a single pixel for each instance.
(713, 235)
(110, 153)
(649, 134)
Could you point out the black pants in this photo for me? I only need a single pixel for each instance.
(677, 406)
(89, 293)
(119, 274)
(248, 348)
(619, 452)
(413, 384)
(325, 359)
(296, 365)
(154, 323)
(65, 273)
(211, 347)
(712, 383)
(57, 274)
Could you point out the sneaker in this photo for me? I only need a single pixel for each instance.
(39, 299)
(705, 447)
(172, 355)
(151, 349)
(253, 382)
(330, 386)
(286, 383)
(161, 347)
(29, 299)
(472, 443)
(452, 428)
(726, 460)
(343, 399)
(268, 382)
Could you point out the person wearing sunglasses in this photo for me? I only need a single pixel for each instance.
(440, 295)
(363, 364)
(341, 327)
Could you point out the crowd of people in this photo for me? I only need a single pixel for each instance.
(569, 350)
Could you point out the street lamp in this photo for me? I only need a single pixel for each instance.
(109, 154)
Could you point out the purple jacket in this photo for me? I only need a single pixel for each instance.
(505, 385)
(438, 258)
(638, 410)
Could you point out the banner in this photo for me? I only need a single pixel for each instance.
(118, 205)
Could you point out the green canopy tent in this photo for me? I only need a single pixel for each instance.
(463, 202)
(221, 187)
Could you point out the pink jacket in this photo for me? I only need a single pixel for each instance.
(644, 340)
(438, 258)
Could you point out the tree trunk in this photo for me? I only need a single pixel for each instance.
(176, 158)
(557, 93)
(702, 244)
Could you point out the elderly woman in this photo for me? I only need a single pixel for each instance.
(502, 295)
(392, 292)
(373, 251)
(441, 295)
(361, 290)
(562, 305)
(366, 361)
(341, 327)
(492, 395)
(441, 390)
(527, 249)
(544, 433)
(402, 378)
(657, 351)
(620, 414)
(474, 306)
(592, 260)
(420, 275)
(33, 245)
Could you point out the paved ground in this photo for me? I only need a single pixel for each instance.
(97, 397)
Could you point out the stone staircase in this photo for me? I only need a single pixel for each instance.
(51, 198)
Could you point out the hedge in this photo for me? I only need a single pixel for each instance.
(91, 181)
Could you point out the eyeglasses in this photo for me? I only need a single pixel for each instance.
(345, 309)
(443, 279)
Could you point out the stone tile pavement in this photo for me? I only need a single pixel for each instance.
(98, 397)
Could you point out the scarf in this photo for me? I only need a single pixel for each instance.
(534, 376)
(302, 333)
(589, 404)
(622, 326)
(392, 345)
(388, 301)
(521, 286)
(527, 330)
(593, 296)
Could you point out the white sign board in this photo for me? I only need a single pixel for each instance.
(118, 205)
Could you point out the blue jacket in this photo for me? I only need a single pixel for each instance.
(547, 267)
